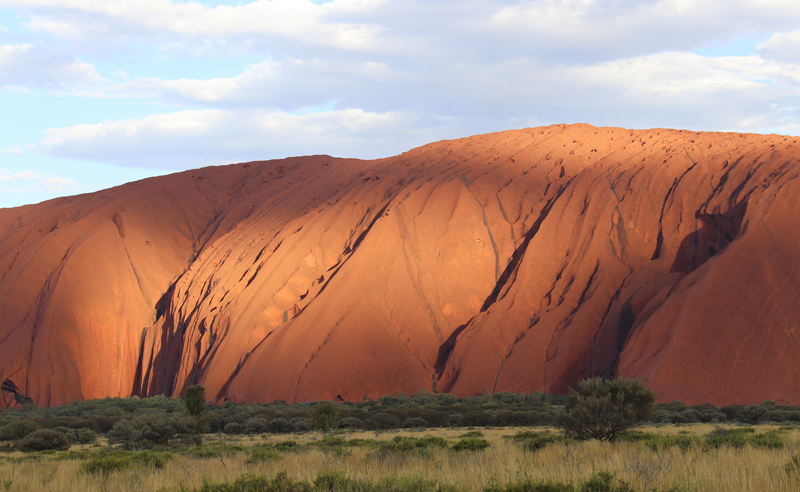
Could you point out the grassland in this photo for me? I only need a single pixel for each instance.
(644, 466)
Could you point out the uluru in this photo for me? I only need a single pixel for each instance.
(524, 260)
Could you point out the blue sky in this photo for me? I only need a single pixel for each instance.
(95, 93)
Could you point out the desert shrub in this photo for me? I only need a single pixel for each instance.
(690, 415)
(148, 431)
(731, 411)
(414, 422)
(280, 426)
(81, 436)
(382, 421)
(257, 425)
(776, 416)
(43, 440)
(323, 416)
(661, 417)
(260, 454)
(286, 446)
(599, 482)
(410, 444)
(712, 415)
(738, 438)
(233, 428)
(351, 423)
(752, 414)
(506, 418)
(107, 462)
(300, 424)
(547, 417)
(212, 450)
(18, 429)
(471, 434)
(476, 418)
(471, 444)
(195, 399)
(434, 418)
(604, 409)
(534, 441)
(260, 483)
(793, 416)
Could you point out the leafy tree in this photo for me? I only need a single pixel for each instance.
(195, 399)
(323, 416)
(604, 409)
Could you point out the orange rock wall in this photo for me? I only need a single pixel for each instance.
(522, 260)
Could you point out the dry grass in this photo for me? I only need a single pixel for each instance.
(746, 469)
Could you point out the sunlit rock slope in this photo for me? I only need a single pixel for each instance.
(517, 261)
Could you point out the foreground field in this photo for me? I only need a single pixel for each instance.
(226, 458)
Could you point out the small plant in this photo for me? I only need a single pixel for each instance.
(260, 454)
(605, 409)
(110, 461)
(471, 444)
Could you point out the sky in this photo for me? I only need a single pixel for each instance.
(96, 93)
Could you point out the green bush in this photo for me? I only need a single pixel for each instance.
(260, 454)
(195, 399)
(300, 424)
(149, 431)
(110, 461)
(256, 425)
(351, 423)
(414, 422)
(382, 421)
(233, 428)
(599, 482)
(752, 414)
(83, 435)
(534, 441)
(471, 444)
(247, 483)
(18, 429)
(280, 426)
(323, 416)
(213, 450)
(43, 440)
(605, 409)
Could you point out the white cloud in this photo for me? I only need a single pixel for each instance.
(85, 21)
(5, 177)
(30, 182)
(782, 46)
(12, 151)
(26, 65)
(195, 138)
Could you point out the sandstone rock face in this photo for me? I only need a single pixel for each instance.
(522, 260)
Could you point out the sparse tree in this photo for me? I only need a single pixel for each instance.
(323, 416)
(605, 408)
(195, 399)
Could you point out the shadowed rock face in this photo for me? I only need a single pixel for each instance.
(522, 260)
